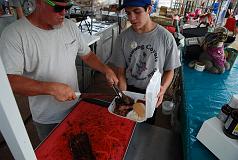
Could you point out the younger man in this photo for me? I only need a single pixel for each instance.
(142, 49)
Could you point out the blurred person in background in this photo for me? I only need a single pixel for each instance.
(229, 11)
(11, 15)
(154, 6)
(215, 6)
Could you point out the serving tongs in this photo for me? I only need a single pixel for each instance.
(124, 98)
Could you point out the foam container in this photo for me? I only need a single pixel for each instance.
(150, 97)
(211, 135)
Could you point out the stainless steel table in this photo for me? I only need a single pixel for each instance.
(150, 142)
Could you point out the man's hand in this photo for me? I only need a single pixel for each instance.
(166, 80)
(111, 77)
(62, 92)
(29, 87)
(92, 60)
(121, 74)
(160, 96)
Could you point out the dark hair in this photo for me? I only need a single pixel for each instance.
(146, 7)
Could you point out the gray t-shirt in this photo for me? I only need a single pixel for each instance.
(4, 21)
(143, 54)
(44, 55)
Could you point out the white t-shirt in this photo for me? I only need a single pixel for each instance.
(142, 54)
(44, 55)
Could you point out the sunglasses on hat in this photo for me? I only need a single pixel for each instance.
(59, 8)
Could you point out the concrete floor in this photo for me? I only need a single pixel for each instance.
(98, 85)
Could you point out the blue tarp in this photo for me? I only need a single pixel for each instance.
(203, 96)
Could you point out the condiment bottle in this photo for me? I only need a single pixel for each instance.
(228, 108)
(231, 125)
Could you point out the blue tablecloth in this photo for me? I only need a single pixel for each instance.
(203, 96)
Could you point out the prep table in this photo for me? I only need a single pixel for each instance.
(111, 137)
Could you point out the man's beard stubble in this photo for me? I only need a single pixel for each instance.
(58, 26)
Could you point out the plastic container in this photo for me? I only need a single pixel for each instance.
(199, 66)
(150, 98)
(167, 107)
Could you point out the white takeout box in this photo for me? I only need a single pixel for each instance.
(211, 135)
(150, 98)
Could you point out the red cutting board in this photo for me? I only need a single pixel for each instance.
(109, 134)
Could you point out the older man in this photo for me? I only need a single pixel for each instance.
(39, 54)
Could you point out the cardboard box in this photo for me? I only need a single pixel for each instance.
(211, 135)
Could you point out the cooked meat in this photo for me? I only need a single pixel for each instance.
(80, 147)
(122, 108)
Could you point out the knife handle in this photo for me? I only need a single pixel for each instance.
(78, 94)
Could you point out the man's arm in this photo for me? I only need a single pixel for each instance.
(165, 82)
(28, 87)
(92, 60)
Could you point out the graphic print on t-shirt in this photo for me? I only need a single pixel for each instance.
(142, 59)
